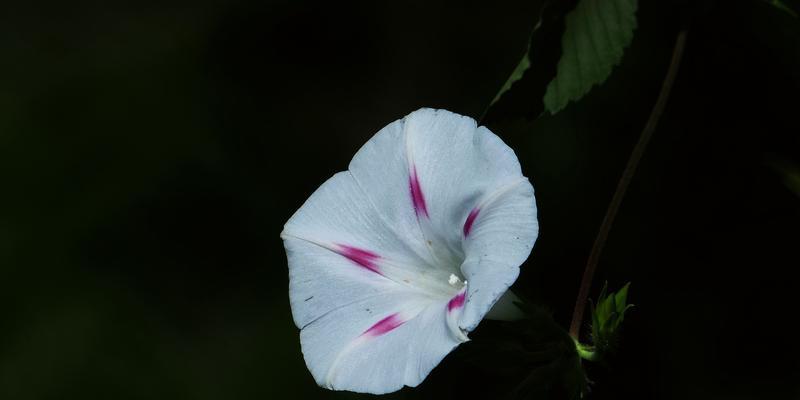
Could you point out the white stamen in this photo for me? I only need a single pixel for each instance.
(453, 279)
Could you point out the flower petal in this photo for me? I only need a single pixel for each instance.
(506, 309)
(340, 250)
(382, 168)
(457, 165)
(374, 347)
(367, 306)
(501, 239)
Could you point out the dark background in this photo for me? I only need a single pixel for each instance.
(151, 152)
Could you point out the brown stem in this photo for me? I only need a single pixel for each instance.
(624, 182)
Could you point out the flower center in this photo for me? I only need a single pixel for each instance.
(456, 282)
(439, 281)
(453, 280)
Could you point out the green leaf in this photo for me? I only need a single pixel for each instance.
(516, 75)
(597, 33)
(607, 316)
(622, 296)
(779, 4)
(524, 63)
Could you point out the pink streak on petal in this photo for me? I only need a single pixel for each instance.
(384, 326)
(470, 220)
(363, 258)
(457, 302)
(417, 198)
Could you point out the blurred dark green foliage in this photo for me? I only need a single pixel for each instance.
(783, 7)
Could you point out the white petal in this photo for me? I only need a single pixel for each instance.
(505, 308)
(501, 238)
(381, 168)
(335, 300)
(458, 165)
(461, 169)
(338, 215)
(343, 356)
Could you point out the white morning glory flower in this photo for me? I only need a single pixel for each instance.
(394, 261)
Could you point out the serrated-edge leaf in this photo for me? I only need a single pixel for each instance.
(596, 35)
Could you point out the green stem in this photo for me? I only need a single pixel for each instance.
(624, 182)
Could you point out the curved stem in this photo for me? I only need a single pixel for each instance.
(624, 182)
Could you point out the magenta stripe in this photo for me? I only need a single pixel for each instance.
(457, 302)
(470, 220)
(363, 258)
(384, 326)
(417, 198)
